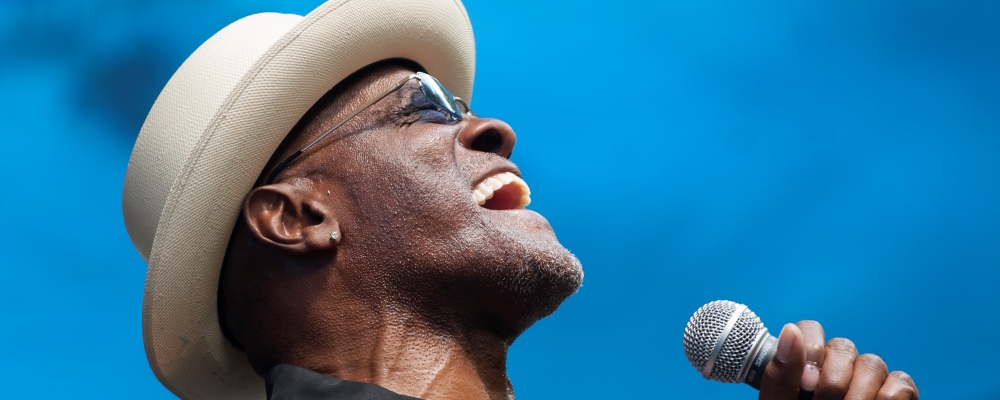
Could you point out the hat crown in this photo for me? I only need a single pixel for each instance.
(212, 130)
(195, 92)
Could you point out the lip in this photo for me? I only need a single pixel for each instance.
(521, 213)
(496, 168)
(500, 187)
(523, 220)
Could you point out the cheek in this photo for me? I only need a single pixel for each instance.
(425, 164)
(433, 153)
(406, 188)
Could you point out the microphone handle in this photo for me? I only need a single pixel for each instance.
(760, 356)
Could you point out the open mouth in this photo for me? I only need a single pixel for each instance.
(502, 191)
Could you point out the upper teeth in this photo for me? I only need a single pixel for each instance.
(484, 190)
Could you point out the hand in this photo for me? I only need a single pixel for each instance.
(832, 371)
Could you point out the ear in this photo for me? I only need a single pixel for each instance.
(290, 217)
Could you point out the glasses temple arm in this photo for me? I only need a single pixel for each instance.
(280, 166)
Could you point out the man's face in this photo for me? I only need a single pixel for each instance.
(401, 180)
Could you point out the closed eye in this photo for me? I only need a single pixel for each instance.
(432, 114)
(419, 109)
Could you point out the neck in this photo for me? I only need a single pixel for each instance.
(414, 358)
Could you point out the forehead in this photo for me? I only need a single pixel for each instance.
(350, 94)
(340, 102)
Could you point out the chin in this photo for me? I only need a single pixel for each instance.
(502, 274)
(533, 284)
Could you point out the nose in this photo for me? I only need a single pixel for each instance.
(488, 135)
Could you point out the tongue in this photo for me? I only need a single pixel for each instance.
(505, 198)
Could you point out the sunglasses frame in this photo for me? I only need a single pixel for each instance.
(430, 87)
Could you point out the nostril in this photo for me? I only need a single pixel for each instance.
(490, 141)
(487, 135)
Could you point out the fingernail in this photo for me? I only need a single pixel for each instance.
(810, 377)
(785, 340)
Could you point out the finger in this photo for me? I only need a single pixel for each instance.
(814, 337)
(784, 372)
(870, 372)
(898, 386)
(835, 378)
(810, 377)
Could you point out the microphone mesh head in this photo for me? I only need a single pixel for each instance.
(704, 330)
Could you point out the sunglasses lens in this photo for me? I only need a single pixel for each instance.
(439, 95)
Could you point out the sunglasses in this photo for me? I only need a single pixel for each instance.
(452, 107)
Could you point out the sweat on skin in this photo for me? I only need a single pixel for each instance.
(438, 269)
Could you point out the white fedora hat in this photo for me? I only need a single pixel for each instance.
(210, 133)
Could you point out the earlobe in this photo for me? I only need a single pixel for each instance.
(290, 217)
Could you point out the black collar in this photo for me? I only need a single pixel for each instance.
(288, 382)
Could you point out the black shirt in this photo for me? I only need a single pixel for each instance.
(288, 382)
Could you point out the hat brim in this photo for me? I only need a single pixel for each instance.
(211, 132)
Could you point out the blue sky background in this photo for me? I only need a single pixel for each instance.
(829, 160)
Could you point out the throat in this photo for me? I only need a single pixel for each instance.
(417, 361)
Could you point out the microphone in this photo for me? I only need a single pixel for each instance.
(726, 342)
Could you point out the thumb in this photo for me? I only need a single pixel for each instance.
(784, 373)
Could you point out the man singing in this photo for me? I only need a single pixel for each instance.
(324, 216)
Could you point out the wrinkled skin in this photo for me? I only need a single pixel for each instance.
(425, 290)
